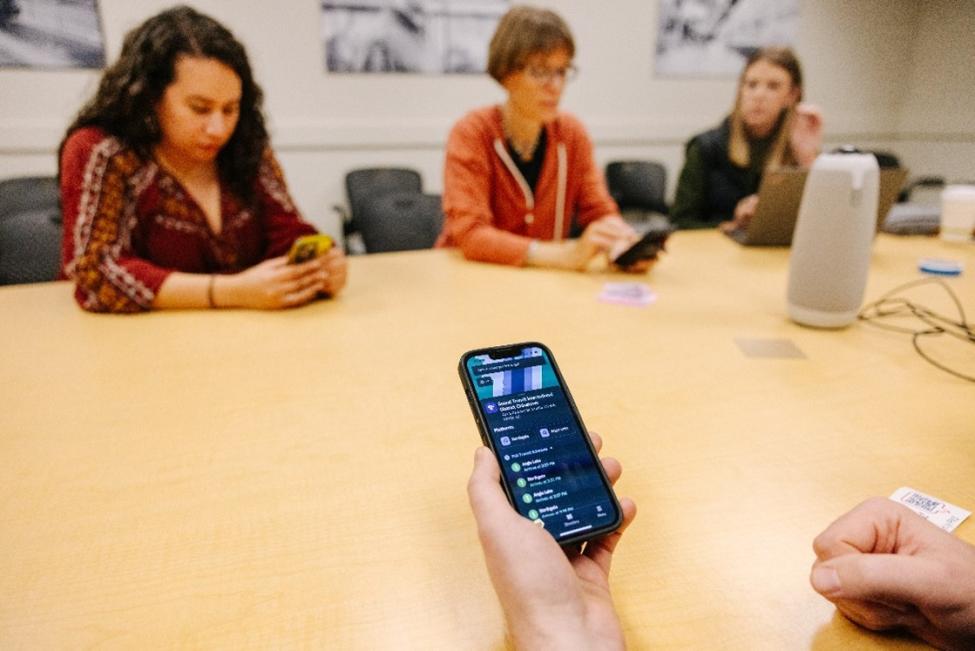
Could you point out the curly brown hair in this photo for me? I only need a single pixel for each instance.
(125, 103)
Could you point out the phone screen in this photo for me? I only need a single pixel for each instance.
(552, 475)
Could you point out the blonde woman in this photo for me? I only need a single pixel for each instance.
(768, 128)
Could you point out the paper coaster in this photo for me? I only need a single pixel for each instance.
(635, 294)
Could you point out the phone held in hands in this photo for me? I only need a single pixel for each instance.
(526, 416)
(308, 247)
(646, 248)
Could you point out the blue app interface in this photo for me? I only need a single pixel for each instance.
(541, 449)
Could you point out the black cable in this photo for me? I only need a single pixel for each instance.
(891, 306)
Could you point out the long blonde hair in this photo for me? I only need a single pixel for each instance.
(780, 154)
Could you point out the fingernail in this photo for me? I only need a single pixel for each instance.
(826, 580)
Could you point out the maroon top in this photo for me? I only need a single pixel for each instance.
(128, 224)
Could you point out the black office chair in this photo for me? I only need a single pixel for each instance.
(364, 184)
(638, 187)
(886, 159)
(401, 221)
(30, 230)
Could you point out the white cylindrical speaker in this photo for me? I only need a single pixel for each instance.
(831, 245)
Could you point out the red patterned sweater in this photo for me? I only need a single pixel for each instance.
(128, 224)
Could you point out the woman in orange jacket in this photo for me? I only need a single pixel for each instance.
(520, 179)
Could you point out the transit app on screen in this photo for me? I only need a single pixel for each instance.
(547, 464)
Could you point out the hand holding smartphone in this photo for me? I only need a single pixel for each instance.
(308, 247)
(550, 471)
(646, 248)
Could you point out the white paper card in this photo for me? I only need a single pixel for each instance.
(937, 512)
(637, 294)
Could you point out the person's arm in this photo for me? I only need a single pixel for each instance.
(96, 252)
(280, 219)
(270, 285)
(601, 236)
(283, 224)
(110, 277)
(468, 220)
(887, 568)
(592, 201)
(273, 283)
(594, 208)
(691, 207)
(551, 598)
(744, 211)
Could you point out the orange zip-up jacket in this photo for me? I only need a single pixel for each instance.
(492, 214)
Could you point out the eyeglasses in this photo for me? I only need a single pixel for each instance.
(543, 75)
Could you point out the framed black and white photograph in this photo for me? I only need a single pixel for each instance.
(409, 36)
(712, 38)
(51, 34)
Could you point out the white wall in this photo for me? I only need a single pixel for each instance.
(877, 83)
(936, 125)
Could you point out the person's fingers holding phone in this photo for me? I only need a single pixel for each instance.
(550, 599)
(639, 267)
(614, 231)
(595, 239)
(488, 502)
(301, 283)
(611, 466)
(276, 284)
(335, 268)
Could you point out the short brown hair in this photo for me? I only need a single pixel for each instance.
(522, 32)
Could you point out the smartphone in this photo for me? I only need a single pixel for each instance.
(526, 416)
(308, 247)
(646, 248)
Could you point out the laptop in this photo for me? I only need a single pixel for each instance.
(779, 197)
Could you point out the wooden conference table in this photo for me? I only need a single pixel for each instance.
(291, 480)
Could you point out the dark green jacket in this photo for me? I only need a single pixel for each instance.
(710, 185)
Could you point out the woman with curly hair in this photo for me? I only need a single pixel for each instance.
(171, 195)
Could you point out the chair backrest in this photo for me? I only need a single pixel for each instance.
(368, 183)
(30, 230)
(638, 184)
(885, 159)
(401, 221)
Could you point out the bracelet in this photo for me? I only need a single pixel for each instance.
(210, 301)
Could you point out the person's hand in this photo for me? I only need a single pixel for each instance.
(638, 267)
(885, 567)
(274, 284)
(744, 211)
(599, 237)
(641, 266)
(336, 267)
(806, 138)
(552, 598)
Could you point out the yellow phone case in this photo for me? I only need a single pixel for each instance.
(308, 247)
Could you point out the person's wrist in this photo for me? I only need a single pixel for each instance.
(555, 633)
(225, 290)
(574, 254)
(211, 302)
